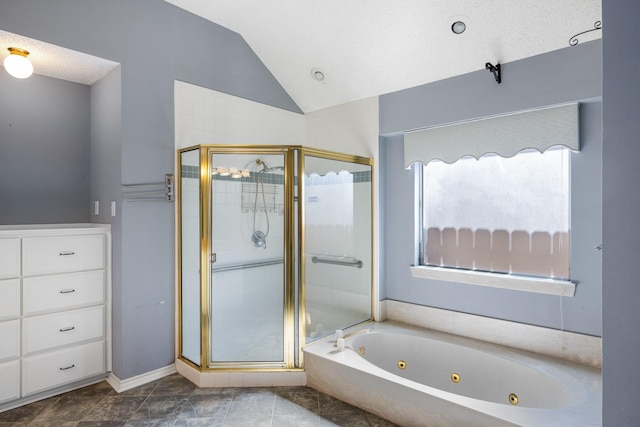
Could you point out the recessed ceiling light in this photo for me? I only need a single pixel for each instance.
(458, 27)
(317, 74)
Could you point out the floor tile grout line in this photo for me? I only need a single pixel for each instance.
(273, 407)
(226, 412)
(138, 408)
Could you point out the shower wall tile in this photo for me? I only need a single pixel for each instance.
(241, 379)
(205, 116)
(221, 379)
(280, 379)
(236, 379)
(350, 128)
(250, 379)
(296, 378)
(265, 379)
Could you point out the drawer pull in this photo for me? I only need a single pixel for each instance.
(67, 329)
(67, 291)
(68, 367)
(67, 253)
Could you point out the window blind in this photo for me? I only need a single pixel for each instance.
(505, 135)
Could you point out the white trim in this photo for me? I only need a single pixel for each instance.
(129, 383)
(54, 229)
(496, 280)
(577, 348)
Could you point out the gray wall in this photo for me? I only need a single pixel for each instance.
(570, 74)
(155, 43)
(106, 152)
(44, 150)
(621, 232)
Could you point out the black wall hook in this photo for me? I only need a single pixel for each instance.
(495, 69)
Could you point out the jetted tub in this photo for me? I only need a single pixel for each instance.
(417, 377)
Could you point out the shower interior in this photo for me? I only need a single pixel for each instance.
(283, 236)
(258, 237)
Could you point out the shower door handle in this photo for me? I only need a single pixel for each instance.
(213, 258)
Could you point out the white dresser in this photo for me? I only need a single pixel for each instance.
(55, 311)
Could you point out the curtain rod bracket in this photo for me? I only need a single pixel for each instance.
(495, 70)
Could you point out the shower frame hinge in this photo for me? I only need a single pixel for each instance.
(213, 258)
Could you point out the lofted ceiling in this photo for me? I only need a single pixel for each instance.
(366, 48)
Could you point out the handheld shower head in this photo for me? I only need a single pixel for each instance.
(259, 239)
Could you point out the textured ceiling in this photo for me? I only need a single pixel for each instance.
(57, 62)
(371, 47)
(364, 47)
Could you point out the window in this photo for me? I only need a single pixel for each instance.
(496, 214)
(501, 220)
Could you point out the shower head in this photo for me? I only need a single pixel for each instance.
(265, 166)
(259, 239)
(256, 163)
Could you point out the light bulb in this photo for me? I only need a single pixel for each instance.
(17, 64)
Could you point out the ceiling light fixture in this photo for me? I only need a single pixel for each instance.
(458, 27)
(17, 64)
(317, 74)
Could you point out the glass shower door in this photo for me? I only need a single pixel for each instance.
(337, 243)
(247, 298)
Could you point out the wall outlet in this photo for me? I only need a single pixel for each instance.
(96, 207)
(113, 208)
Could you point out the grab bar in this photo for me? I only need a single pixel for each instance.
(247, 265)
(347, 262)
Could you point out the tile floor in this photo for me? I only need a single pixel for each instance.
(175, 401)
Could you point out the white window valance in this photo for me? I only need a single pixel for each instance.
(505, 135)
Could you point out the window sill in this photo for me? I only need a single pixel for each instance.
(495, 280)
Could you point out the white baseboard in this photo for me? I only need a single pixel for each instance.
(129, 383)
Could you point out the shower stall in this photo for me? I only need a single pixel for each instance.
(275, 251)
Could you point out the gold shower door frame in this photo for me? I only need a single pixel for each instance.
(292, 246)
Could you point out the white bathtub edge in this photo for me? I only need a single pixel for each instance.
(353, 379)
(345, 377)
(570, 346)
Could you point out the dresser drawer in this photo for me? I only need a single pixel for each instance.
(9, 380)
(55, 368)
(60, 329)
(9, 339)
(9, 258)
(62, 291)
(9, 299)
(45, 255)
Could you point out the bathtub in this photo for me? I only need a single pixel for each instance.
(416, 377)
